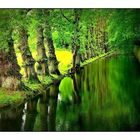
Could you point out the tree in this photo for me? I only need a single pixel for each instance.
(41, 52)
(10, 77)
(52, 60)
(28, 60)
(123, 28)
(36, 20)
(87, 33)
(76, 40)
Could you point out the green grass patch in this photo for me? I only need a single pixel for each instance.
(8, 97)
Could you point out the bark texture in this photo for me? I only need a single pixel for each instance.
(28, 61)
(41, 53)
(52, 60)
(76, 40)
(9, 69)
(91, 33)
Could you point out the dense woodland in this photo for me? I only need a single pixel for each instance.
(86, 33)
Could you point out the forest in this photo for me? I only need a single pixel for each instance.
(40, 47)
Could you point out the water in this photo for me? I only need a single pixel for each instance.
(103, 96)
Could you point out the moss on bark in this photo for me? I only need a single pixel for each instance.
(52, 60)
(10, 78)
(41, 52)
(28, 61)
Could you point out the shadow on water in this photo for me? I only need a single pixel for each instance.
(104, 96)
(11, 120)
(36, 115)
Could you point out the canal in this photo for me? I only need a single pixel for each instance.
(103, 96)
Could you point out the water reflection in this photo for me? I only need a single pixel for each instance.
(31, 113)
(52, 107)
(108, 90)
(37, 115)
(103, 96)
(11, 120)
(43, 113)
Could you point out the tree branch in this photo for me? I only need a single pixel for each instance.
(65, 16)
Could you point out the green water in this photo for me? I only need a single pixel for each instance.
(103, 96)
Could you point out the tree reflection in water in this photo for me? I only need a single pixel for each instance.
(104, 96)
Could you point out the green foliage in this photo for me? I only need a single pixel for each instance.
(122, 25)
(11, 98)
(66, 89)
(5, 28)
(124, 28)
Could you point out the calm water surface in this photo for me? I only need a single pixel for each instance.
(103, 96)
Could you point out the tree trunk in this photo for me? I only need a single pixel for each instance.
(91, 31)
(41, 53)
(76, 40)
(28, 61)
(52, 60)
(87, 46)
(9, 71)
(82, 57)
(105, 41)
(97, 40)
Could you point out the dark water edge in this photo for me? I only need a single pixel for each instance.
(103, 96)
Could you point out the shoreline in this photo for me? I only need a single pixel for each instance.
(31, 93)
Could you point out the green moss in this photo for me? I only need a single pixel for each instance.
(45, 79)
(11, 97)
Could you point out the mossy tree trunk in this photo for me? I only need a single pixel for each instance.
(100, 42)
(91, 32)
(102, 35)
(105, 41)
(10, 77)
(52, 60)
(97, 37)
(82, 57)
(41, 53)
(28, 61)
(76, 40)
(105, 35)
(87, 45)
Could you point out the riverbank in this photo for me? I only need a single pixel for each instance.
(15, 98)
(98, 57)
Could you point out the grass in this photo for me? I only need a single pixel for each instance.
(11, 97)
